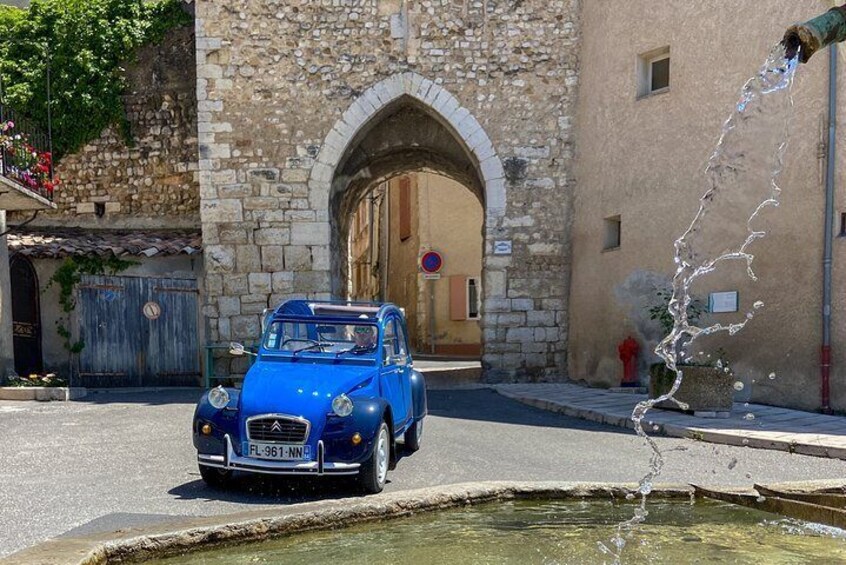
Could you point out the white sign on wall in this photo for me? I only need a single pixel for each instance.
(502, 247)
(721, 302)
(152, 310)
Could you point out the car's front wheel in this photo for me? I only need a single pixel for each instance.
(214, 477)
(374, 472)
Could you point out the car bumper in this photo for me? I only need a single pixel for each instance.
(231, 461)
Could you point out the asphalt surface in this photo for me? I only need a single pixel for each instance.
(116, 460)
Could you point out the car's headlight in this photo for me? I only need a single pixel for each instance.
(342, 405)
(218, 397)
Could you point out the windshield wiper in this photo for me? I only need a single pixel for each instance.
(309, 346)
(344, 351)
(355, 349)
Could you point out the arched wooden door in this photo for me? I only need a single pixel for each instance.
(26, 316)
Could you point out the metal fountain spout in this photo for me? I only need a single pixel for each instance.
(816, 34)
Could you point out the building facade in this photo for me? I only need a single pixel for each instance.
(138, 201)
(484, 94)
(641, 153)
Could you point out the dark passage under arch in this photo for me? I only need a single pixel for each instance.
(26, 316)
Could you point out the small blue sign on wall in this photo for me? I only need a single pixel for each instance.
(109, 295)
(502, 247)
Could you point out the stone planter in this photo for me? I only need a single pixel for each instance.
(43, 393)
(708, 391)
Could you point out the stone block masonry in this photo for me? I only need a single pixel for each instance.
(286, 90)
(153, 181)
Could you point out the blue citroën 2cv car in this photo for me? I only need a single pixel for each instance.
(332, 391)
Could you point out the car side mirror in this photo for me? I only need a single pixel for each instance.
(236, 349)
(266, 314)
(400, 360)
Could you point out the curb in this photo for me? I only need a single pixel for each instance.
(42, 393)
(747, 439)
(142, 544)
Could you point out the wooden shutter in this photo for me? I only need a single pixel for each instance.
(457, 297)
(404, 208)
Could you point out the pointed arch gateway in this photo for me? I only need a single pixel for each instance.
(401, 124)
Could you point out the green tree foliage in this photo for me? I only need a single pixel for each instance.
(87, 43)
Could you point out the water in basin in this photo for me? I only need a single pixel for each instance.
(552, 532)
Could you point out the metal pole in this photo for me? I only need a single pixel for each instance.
(432, 316)
(49, 116)
(825, 351)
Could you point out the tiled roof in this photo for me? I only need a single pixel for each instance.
(55, 243)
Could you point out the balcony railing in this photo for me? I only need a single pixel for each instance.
(25, 153)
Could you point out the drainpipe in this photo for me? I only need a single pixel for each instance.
(825, 351)
(371, 273)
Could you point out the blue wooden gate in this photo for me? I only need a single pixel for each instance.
(138, 332)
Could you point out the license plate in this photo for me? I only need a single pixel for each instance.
(278, 452)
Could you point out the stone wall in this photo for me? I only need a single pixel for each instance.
(287, 89)
(153, 181)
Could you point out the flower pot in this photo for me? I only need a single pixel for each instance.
(703, 389)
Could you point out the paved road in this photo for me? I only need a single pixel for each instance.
(122, 459)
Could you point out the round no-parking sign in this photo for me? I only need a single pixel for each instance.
(431, 262)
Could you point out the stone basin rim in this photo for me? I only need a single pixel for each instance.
(135, 545)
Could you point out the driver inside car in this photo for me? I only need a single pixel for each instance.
(365, 339)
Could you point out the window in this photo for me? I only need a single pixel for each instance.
(653, 70)
(843, 224)
(659, 73)
(473, 295)
(402, 349)
(612, 233)
(390, 346)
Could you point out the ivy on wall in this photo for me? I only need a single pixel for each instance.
(85, 43)
(68, 275)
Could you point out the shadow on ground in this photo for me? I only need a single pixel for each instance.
(488, 406)
(248, 488)
(150, 397)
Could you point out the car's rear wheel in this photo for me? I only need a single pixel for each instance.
(374, 472)
(214, 477)
(413, 435)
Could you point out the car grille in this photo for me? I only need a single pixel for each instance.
(278, 429)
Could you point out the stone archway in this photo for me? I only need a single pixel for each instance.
(437, 134)
(26, 316)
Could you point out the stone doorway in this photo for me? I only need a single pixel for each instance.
(275, 217)
(26, 316)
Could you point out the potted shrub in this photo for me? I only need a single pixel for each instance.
(707, 387)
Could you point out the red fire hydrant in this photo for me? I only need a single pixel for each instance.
(628, 351)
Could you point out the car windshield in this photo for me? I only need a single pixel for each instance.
(340, 340)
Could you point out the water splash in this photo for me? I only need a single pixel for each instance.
(741, 184)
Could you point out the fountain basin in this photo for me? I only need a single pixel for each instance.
(222, 532)
(552, 531)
